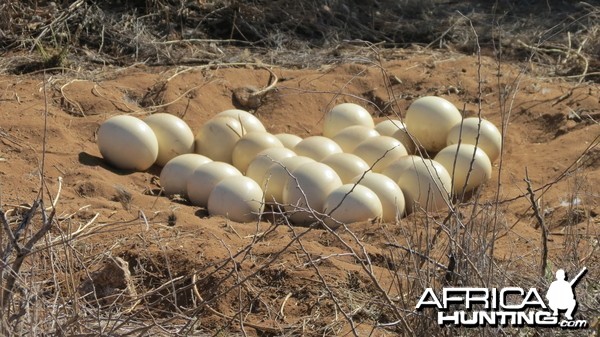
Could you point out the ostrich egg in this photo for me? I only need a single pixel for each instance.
(429, 120)
(173, 134)
(388, 127)
(249, 122)
(250, 145)
(345, 115)
(264, 159)
(205, 177)
(380, 151)
(402, 136)
(388, 192)
(313, 180)
(346, 165)
(490, 138)
(351, 203)
(317, 147)
(288, 140)
(127, 143)
(217, 138)
(425, 183)
(457, 161)
(277, 175)
(175, 174)
(349, 138)
(238, 198)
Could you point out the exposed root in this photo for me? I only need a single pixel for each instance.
(250, 98)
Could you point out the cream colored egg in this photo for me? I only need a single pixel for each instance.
(465, 162)
(205, 177)
(238, 198)
(345, 115)
(250, 145)
(388, 127)
(264, 159)
(217, 138)
(388, 192)
(397, 168)
(317, 147)
(313, 180)
(127, 143)
(346, 165)
(175, 174)
(351, 203)
(429, 120)
(173, 134)
(426, 184)
(404, 138)
(380, 151)
(288, 140)
(277, 175)
(490, 138)
(349, 138)
(249, 122)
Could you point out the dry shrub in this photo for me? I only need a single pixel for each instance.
(561, 36)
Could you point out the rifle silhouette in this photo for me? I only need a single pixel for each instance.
(577, 277)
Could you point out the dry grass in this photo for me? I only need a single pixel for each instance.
(559, 38)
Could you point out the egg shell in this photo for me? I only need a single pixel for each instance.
(249, 122)
(349, 138)
(127, 143)
(264, 159)
(173, 134)
(351, 203)
(345, 115)
(277, 176)
(490, 138)
(457, 161)
(205, 177)
(313, 180)
(317, 147)
(238, 198)
(217, 138)
(346, 165)
(250, 145)
(429, 120)
(426, 184)
(175, 174)
(397, 168)
(288, 140)
(388, 192)
(404, 138)
(388, 127)
(379, 152)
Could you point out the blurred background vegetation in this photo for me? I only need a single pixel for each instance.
(563, 35)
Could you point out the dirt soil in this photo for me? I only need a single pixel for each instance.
(552, 124)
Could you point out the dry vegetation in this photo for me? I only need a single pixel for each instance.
(56, 282)
(561, 37)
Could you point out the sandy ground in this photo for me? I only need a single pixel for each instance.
(550, 125)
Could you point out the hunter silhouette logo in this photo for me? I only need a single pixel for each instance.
(514, 306)
(561, 296)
